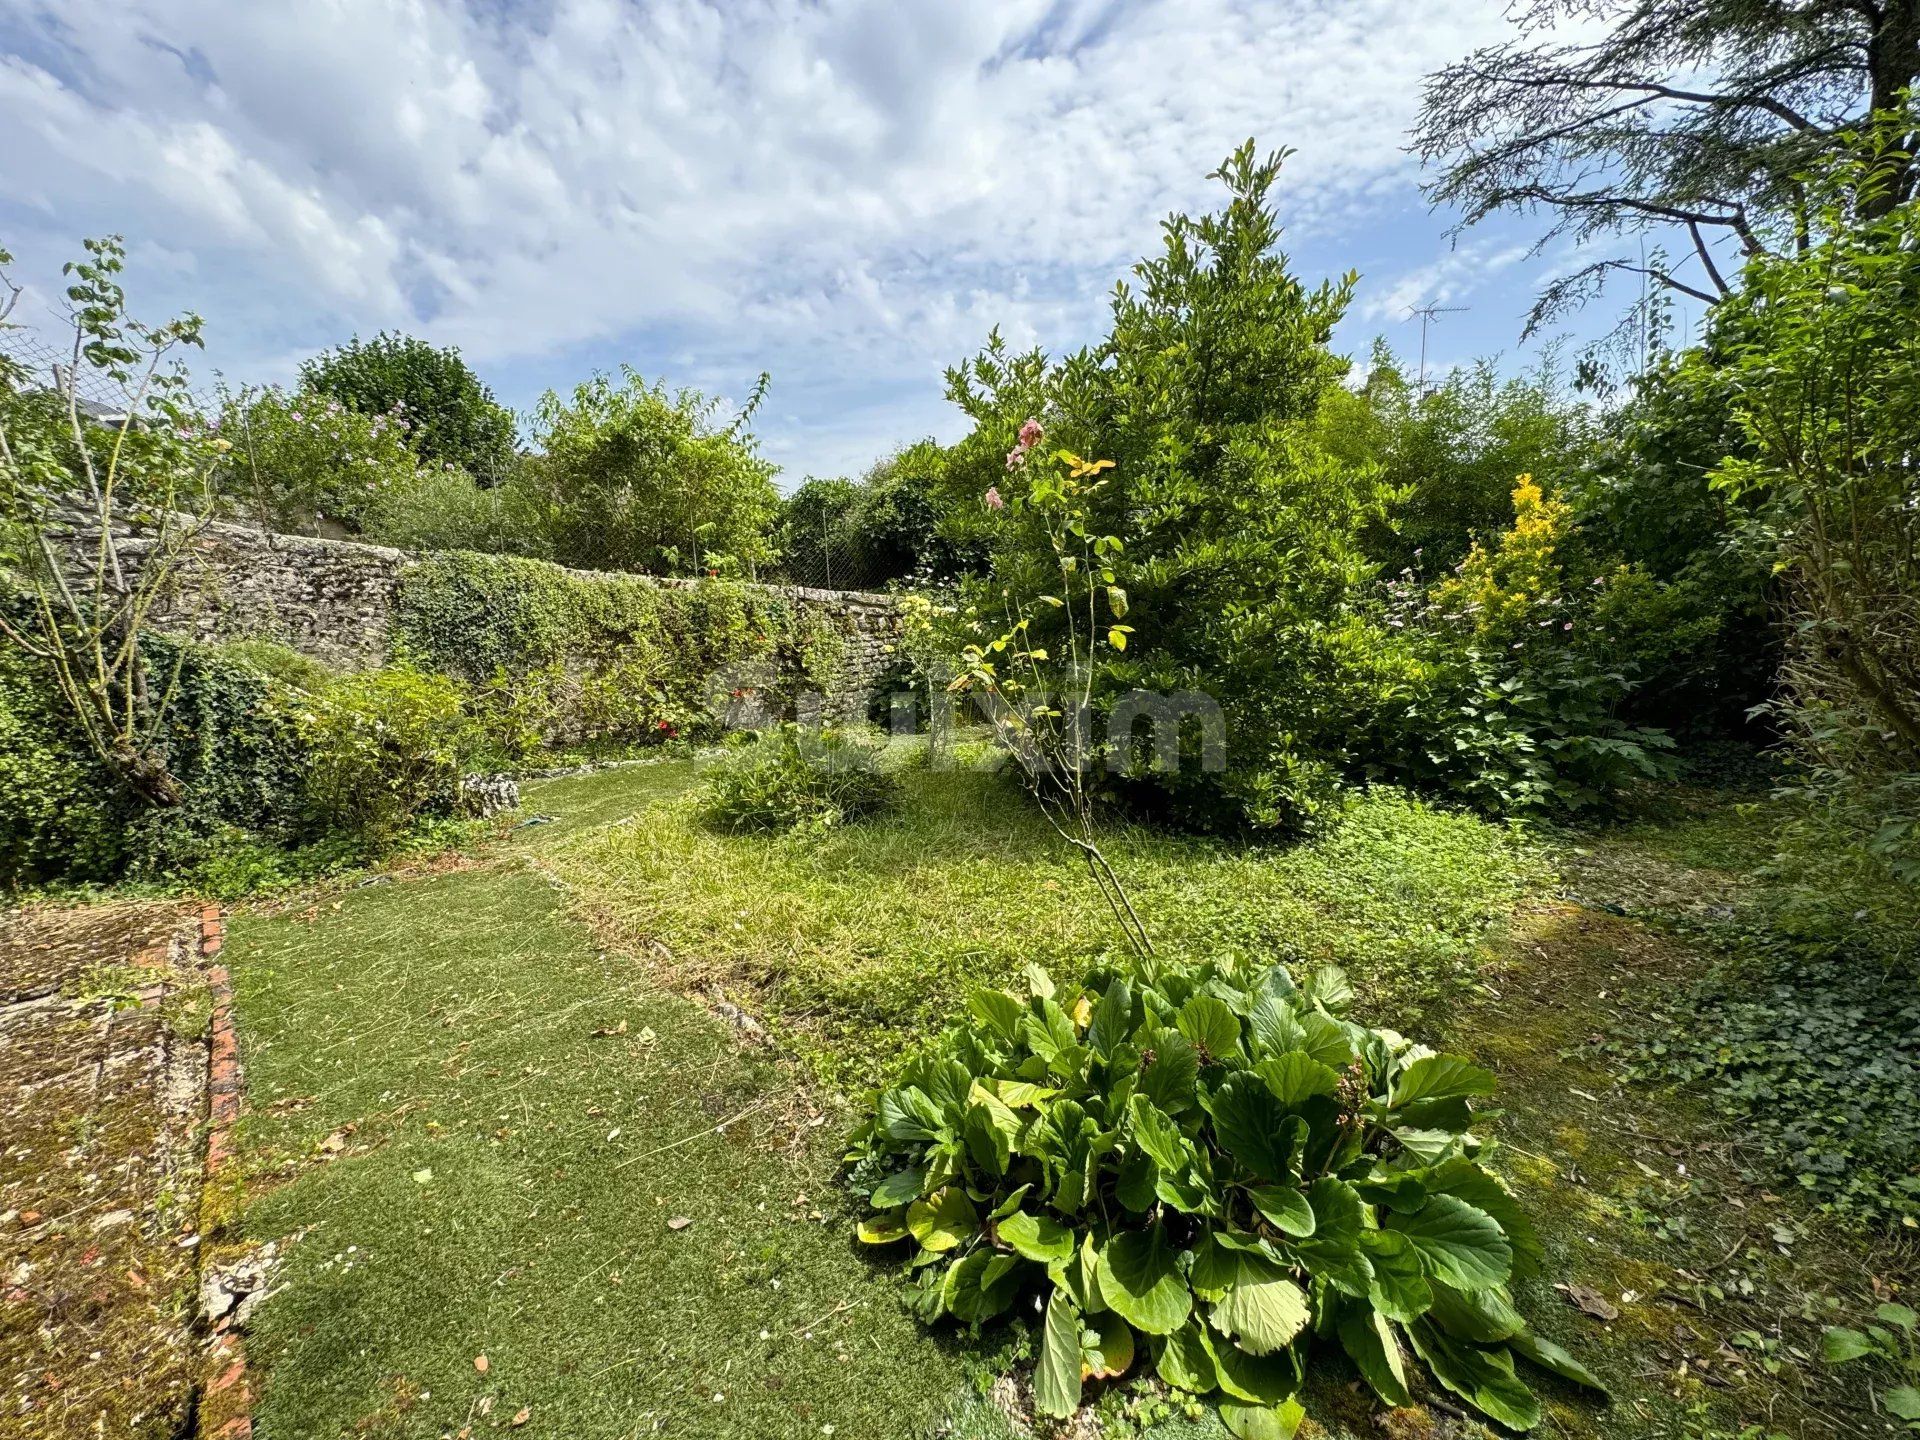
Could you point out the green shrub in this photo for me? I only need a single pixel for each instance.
(1449, 450)
(301, 462)
(59, 811)
(1530, 657)
(450, 510)
(797, 778)
(1245, 566)
(1212, 1166)
(633, 477)
(385, 749)
(277, 662)
(228, 737)
(452, 419)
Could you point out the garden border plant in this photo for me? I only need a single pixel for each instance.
(1212, 1163)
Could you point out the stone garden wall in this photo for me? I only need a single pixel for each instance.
(336, 600)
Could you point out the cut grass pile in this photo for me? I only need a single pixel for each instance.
(858, 942)
(485, 1135)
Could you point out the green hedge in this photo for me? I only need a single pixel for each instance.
(546, 651)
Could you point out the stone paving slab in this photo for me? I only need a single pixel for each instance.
(103, 1059)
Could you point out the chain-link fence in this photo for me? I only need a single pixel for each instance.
(832, 563)
(101, 398)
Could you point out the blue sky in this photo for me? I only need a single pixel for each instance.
(846, 193)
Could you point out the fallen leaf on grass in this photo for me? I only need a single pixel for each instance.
(423, 1177)
(480, 1363)
(679, 1222)
(1589, 1302)
(521, 1416)
(606, 1030)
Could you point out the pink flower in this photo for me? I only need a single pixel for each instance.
(1030, 434)
(994, 502)
(1016, 458)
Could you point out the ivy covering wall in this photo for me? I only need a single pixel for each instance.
(554, 655)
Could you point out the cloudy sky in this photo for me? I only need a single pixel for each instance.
(846, 193)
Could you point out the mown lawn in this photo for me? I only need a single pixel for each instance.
(480, 1099)
(483, 1134)
(855, 944)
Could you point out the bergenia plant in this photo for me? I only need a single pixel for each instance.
(1207, 1172)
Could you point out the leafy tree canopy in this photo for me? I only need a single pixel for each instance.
(453, 418)
(637, 477)
(1688, 114)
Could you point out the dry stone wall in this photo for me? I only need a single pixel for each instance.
(336, 600)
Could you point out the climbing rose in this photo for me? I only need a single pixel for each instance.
(994, 502)
(1016, 458)
(1030, 434)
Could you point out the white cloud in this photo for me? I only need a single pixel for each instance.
(1454, 276)
(842, 191)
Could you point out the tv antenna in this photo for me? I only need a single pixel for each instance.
(1427, 314)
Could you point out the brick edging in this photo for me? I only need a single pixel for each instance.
(226, 1396)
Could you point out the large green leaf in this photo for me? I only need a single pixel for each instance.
(1000, 1013)
(1168, 1078)
(1328, 1041)
(1047, 1033)
(1112, 1019)
(1078, 1275)
(1400, 1288)
(1549, 1356)
(1256, 1379)
(1056, 1378)
(1019, 1094)
(1263, 1422)
(1483, 1378)
(1185, 1362)
(1157, 1135)
(1038, 1237)
(948, 1083)
(1255, 1128)
(1225, 1258)
(1284, 1208)
(1211, 1025)
(1333, 1252)
(1275, 1028)
(883, 1229)
(1903, 1401)
(1440, 1077)
(1139, 1277)
(1369, 1342)
(908, 1114)
(1137, 1185)
(991, 1129)
(899, 1187)
(943, 1219)
(1461, 1177)
(1106, 1349)
(1485, 1317)
(1296, 1077)
(1262, 1315)
(980, 1286)
(1457, 1243)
